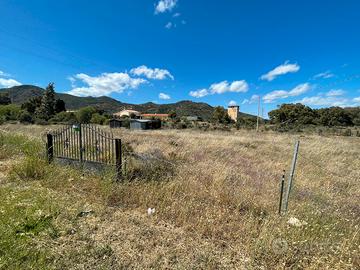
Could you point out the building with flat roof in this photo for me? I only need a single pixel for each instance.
(233, 112)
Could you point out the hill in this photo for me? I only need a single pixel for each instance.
(20, 94)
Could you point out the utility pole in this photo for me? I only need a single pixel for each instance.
(258, 116)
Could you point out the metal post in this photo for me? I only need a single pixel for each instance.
(257, 118)
(282, 182)
(50, 147)
(118, 159)
(292, 171)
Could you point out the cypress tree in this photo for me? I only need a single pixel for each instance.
(47, 108)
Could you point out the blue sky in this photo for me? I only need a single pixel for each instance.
(218, 52)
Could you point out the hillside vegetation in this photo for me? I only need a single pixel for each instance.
(21, 94)
(215, 197)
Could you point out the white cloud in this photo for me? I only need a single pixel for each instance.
(6, 83)
(164, 6)
(176, 15)
(168, 25)
(199, 93)
(254, 99)
(356, 100)
(331, 98)
(150, 73)
(335, 93)
(280, 70)
(280, 94)
(104, 84)
(324, 75)
(232, 103)
(222, 87)
(225, 86)
(164, 96)
(321, 100)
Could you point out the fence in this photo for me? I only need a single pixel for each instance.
(85, 144)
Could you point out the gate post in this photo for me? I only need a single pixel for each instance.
(50, 147)
(118, 159)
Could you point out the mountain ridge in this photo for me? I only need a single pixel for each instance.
(22, 93)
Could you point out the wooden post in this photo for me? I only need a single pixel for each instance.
(118, 159)
(50, 147)
(80, 144)
(292, 171)
(282, 182)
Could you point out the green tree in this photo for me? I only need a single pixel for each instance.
(5, 99)
(32, 105)
(85, 114)
(98, 119)
(25, 118)
(59, 106)
(220, 115)
(47, 108)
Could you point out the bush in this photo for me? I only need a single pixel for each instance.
(64, 117)
(31, 168)
(85, 114)
(98, 119)
(26, 118)
(9, 112)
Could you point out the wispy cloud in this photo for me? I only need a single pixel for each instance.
(3, 74)
(324, 75)
(221, 88)
(104, 84)
(6, 83)
(253, 99)
(199, 93)
(280, 70)
(152, 73)
(165, 6)
(331, 98)
(335, 93)
(232, 103)
(164, 96)
(177, 14)
(168, 25)
(356, 100)
(281, 94)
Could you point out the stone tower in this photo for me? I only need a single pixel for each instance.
(233, 112)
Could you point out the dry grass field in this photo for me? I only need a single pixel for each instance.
(215, 196)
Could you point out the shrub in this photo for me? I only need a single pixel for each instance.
(25, 118)
(84, 115)
(9, 112)
(98, 119)
(31, 168)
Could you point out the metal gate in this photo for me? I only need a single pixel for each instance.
(85, 143)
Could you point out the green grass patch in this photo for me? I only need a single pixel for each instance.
(27, 220)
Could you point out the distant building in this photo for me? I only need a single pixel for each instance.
(127, 113)
(233, 112)
(143, 124)
(118, 123)
(193, 118)
(162, 116)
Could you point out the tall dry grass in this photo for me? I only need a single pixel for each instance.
(216, 206)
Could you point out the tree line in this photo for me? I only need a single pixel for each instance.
(299, 115)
